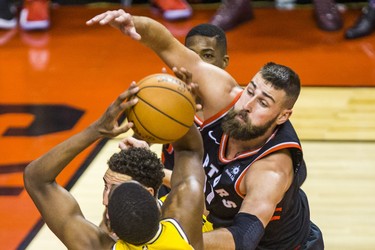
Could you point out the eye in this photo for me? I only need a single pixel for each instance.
(207, 56)
(263, 103)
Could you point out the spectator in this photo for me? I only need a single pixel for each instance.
(235, 12)
(173, 9)
(33, 16)
(365, 23)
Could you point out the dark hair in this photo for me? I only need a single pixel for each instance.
(141, 164)
(210, 30)
(283, 77)
(133, 213)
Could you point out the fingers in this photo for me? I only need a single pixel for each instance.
(100, 18)
(106, 17)
(131, 91)
(178, 73)
(183, 74)
(118, 19)
(123, 102)
(198, 107)
(129, 142)
(133, 33)
(186, 76)
(123, 128)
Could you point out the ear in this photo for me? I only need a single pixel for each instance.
(225, 61)
(151, 190)
(284, 116)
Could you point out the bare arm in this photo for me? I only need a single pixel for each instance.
(185, 202)
(264, 185)
(212, 81)
(57, 206)
(167, 177)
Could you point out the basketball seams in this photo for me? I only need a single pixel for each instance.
(173, 90)
(144, 80)
(161, 102)
(140, 123)
(161, 112)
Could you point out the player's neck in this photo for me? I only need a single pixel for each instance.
(237, 147)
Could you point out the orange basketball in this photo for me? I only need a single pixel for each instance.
(165, 109)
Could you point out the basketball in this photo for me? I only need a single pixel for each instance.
(165, 109)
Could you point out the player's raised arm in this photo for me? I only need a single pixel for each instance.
(57, 206)
(212, 81)
(185, 202)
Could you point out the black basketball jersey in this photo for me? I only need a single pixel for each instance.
(290, 224)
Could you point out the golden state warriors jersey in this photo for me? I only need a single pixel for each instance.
(170, 236)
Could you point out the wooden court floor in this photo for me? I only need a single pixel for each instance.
(54, 83)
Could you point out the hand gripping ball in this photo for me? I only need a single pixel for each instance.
(165, 109)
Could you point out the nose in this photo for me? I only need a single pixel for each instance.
(105, 198)
(248, 105)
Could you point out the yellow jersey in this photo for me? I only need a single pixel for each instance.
(170, 236)
(206, 225)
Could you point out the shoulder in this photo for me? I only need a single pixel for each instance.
(94, 238)
(277, 166)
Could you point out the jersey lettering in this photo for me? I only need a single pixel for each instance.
(222, 192)
(212, 169)
(216, 181)
(229, 204)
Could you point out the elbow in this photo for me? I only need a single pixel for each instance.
(31, 180)
(27, 177)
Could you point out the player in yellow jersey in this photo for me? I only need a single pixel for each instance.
(134, 213)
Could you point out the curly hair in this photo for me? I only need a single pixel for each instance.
(141, 164)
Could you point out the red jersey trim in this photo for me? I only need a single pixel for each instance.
(224, 143)
(220, 113)
(269, 151)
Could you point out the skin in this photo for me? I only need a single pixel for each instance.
(208, 50)
(275, 170)
(51, 199)
(113, 179)
(185, 204)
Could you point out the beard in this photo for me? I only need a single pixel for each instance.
(245, 130)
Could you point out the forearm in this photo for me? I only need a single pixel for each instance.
(158, 38)
(188, 155)
(153, 34)
(245, 233)
(46, 168)
(218, 239)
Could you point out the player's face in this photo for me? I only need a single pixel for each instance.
(112, 179)
(208, 50)
(258, 110)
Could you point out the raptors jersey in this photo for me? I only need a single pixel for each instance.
(169, 237)
(290, 224)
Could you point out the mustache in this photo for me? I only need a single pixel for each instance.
(242, 113)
